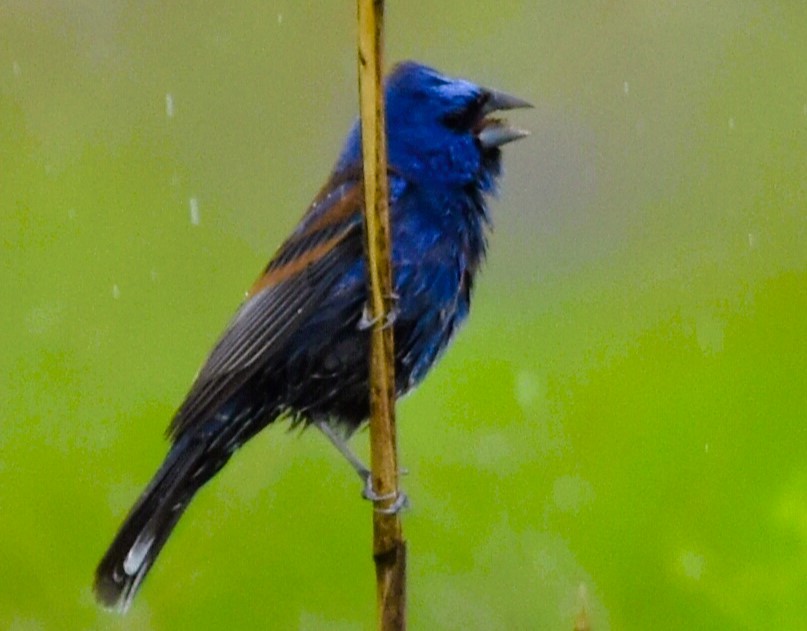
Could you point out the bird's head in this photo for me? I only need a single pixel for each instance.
(442, 130)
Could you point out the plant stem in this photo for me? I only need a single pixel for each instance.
(389, 548)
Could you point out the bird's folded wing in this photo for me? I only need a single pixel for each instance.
(326, 243)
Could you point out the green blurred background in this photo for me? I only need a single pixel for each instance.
(620, 427)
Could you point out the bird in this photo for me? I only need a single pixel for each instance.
(298, 345)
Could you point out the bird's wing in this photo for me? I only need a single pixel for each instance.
(325, 244)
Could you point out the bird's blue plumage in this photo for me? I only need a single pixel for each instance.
(297, 346)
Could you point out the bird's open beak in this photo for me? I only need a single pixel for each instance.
(494, 132)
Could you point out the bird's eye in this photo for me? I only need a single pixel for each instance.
(464, 118)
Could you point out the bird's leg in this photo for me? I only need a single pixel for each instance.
(367, 321)
(338, 442)
(401, 500)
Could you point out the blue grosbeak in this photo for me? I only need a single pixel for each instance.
(298, 346)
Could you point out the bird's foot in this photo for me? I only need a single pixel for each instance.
(401, 499)
(367, 321)
(400, 504)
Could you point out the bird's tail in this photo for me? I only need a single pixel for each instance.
(147, 526)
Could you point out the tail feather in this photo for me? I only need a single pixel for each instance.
(151, 520)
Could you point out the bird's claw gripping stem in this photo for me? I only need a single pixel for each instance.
(367, 321)
(401, 499)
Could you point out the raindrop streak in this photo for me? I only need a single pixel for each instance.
(280, 18)
(194, 204)
(731, 123)
(169, 105)
(626, 87)
(15, 69)
(71, 213)
(115, 291)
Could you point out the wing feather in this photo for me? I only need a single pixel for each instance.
(326, 243)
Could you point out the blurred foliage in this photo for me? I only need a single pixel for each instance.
(624, 411)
